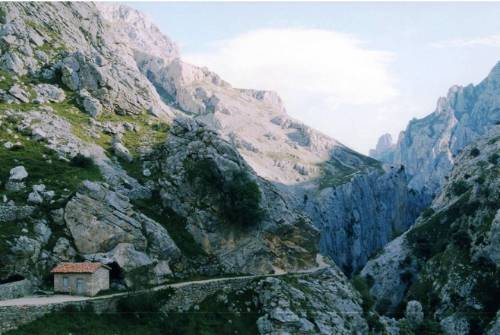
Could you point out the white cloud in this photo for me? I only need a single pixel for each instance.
(317, 72)
(485, 41)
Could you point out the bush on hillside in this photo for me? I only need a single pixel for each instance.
(238, 194)
(459, 187)
(82, 161)
(475, 152)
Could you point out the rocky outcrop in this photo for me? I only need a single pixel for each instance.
(105, 227)
(48, 93)
(93, 56)
(230, 212)
(59, 136)
(119, 62)
(99, 219)
(15, 289)
(137, 31)
(429, 146)
(386, 272)
(321, 303)
(449, 260)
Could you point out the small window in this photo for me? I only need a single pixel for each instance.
(65, 282)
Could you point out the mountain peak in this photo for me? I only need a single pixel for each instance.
(384, 146)
(137, 30)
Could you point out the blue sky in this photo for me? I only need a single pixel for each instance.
(352, 70)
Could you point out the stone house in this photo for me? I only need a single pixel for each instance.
(81, 278)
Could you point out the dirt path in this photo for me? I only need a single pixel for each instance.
(59, 298)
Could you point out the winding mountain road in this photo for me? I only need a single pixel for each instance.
(61, 298)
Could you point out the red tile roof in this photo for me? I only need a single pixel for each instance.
(86, 267)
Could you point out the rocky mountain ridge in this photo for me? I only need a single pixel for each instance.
(428, 146)
(278, 148)
(449, 260)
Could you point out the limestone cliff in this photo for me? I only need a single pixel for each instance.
(358, 218)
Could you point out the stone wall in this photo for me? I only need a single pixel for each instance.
(15, 289)
(12, 317)
(184, 297)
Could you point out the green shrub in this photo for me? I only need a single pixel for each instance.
(84, 321)
(462, 239)
(493, 159)
(3, 15)
(405, 328)
(82, 161)
(383, 305)
(374, 323)
(237, 193)
(406, 277)
(427, 327)
(361, 285)
(427, 213)
(424, 292)
(242, 197)
(475, 152)
(143, 304)
(217, 317)
(459, 187)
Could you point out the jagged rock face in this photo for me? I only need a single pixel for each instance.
(449, 260)
(322, 303)
(358, 218)
(100, 219)
(197, 172)
(96, 66)
(59, 136)
(428, 146)
(386, 271)
(74, 44)
(134, 28)
(278, 148)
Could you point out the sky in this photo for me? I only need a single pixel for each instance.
(351, 70)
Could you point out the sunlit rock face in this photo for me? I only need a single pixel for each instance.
(295, 157)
